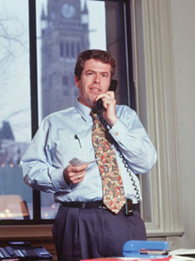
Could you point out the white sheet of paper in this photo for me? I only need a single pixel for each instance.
(77, 162)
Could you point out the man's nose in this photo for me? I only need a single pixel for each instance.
(97, 78)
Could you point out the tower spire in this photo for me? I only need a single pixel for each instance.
(85, 15)
(43, 19)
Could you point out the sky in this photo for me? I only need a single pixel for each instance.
(15, 74)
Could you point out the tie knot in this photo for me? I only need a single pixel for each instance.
(94, 115)
(96, 121)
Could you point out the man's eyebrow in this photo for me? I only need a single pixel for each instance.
(103, 72)
(89, 70)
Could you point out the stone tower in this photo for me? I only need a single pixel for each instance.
(65, 33)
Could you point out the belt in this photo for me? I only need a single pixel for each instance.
(79, 204)
(128, 208)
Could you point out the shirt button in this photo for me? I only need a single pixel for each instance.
(62, 188)
(116, 133)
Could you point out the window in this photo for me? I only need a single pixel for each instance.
(65, 80)
(46, 92)
(67, 50)
(72, 50)
(61, 49)
(15, 109)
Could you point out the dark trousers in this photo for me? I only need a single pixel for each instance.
(81, 233)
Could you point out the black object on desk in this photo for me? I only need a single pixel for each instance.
(23, 251)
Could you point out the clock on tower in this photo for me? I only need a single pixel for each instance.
(68, 10)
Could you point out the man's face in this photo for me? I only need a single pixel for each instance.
(95, 79)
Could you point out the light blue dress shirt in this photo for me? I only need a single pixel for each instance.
(54, 145)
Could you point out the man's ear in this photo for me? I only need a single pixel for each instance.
(76, 80)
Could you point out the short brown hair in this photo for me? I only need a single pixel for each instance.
(100, 55)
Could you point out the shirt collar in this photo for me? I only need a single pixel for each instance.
(83, 110)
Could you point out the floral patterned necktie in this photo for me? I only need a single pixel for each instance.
(112, 184)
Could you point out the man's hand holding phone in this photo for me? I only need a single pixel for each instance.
(109, 107)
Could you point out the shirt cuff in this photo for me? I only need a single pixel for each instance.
(59, 182)
(118, 130)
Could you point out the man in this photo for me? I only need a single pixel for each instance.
(85, 226)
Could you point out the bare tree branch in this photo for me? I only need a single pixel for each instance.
(13, 44)
(11, 40)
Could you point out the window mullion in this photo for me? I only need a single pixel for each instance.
(34, 93)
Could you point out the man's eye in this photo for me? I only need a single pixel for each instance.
(104, 75)
(90, 73)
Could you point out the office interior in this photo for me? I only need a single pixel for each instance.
(163, 59)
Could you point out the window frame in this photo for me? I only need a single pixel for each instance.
(36, 221)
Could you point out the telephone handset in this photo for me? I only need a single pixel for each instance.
(113, 86)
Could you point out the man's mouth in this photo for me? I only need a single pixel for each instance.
(96, 89)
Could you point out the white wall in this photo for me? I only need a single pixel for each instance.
(183, 28)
